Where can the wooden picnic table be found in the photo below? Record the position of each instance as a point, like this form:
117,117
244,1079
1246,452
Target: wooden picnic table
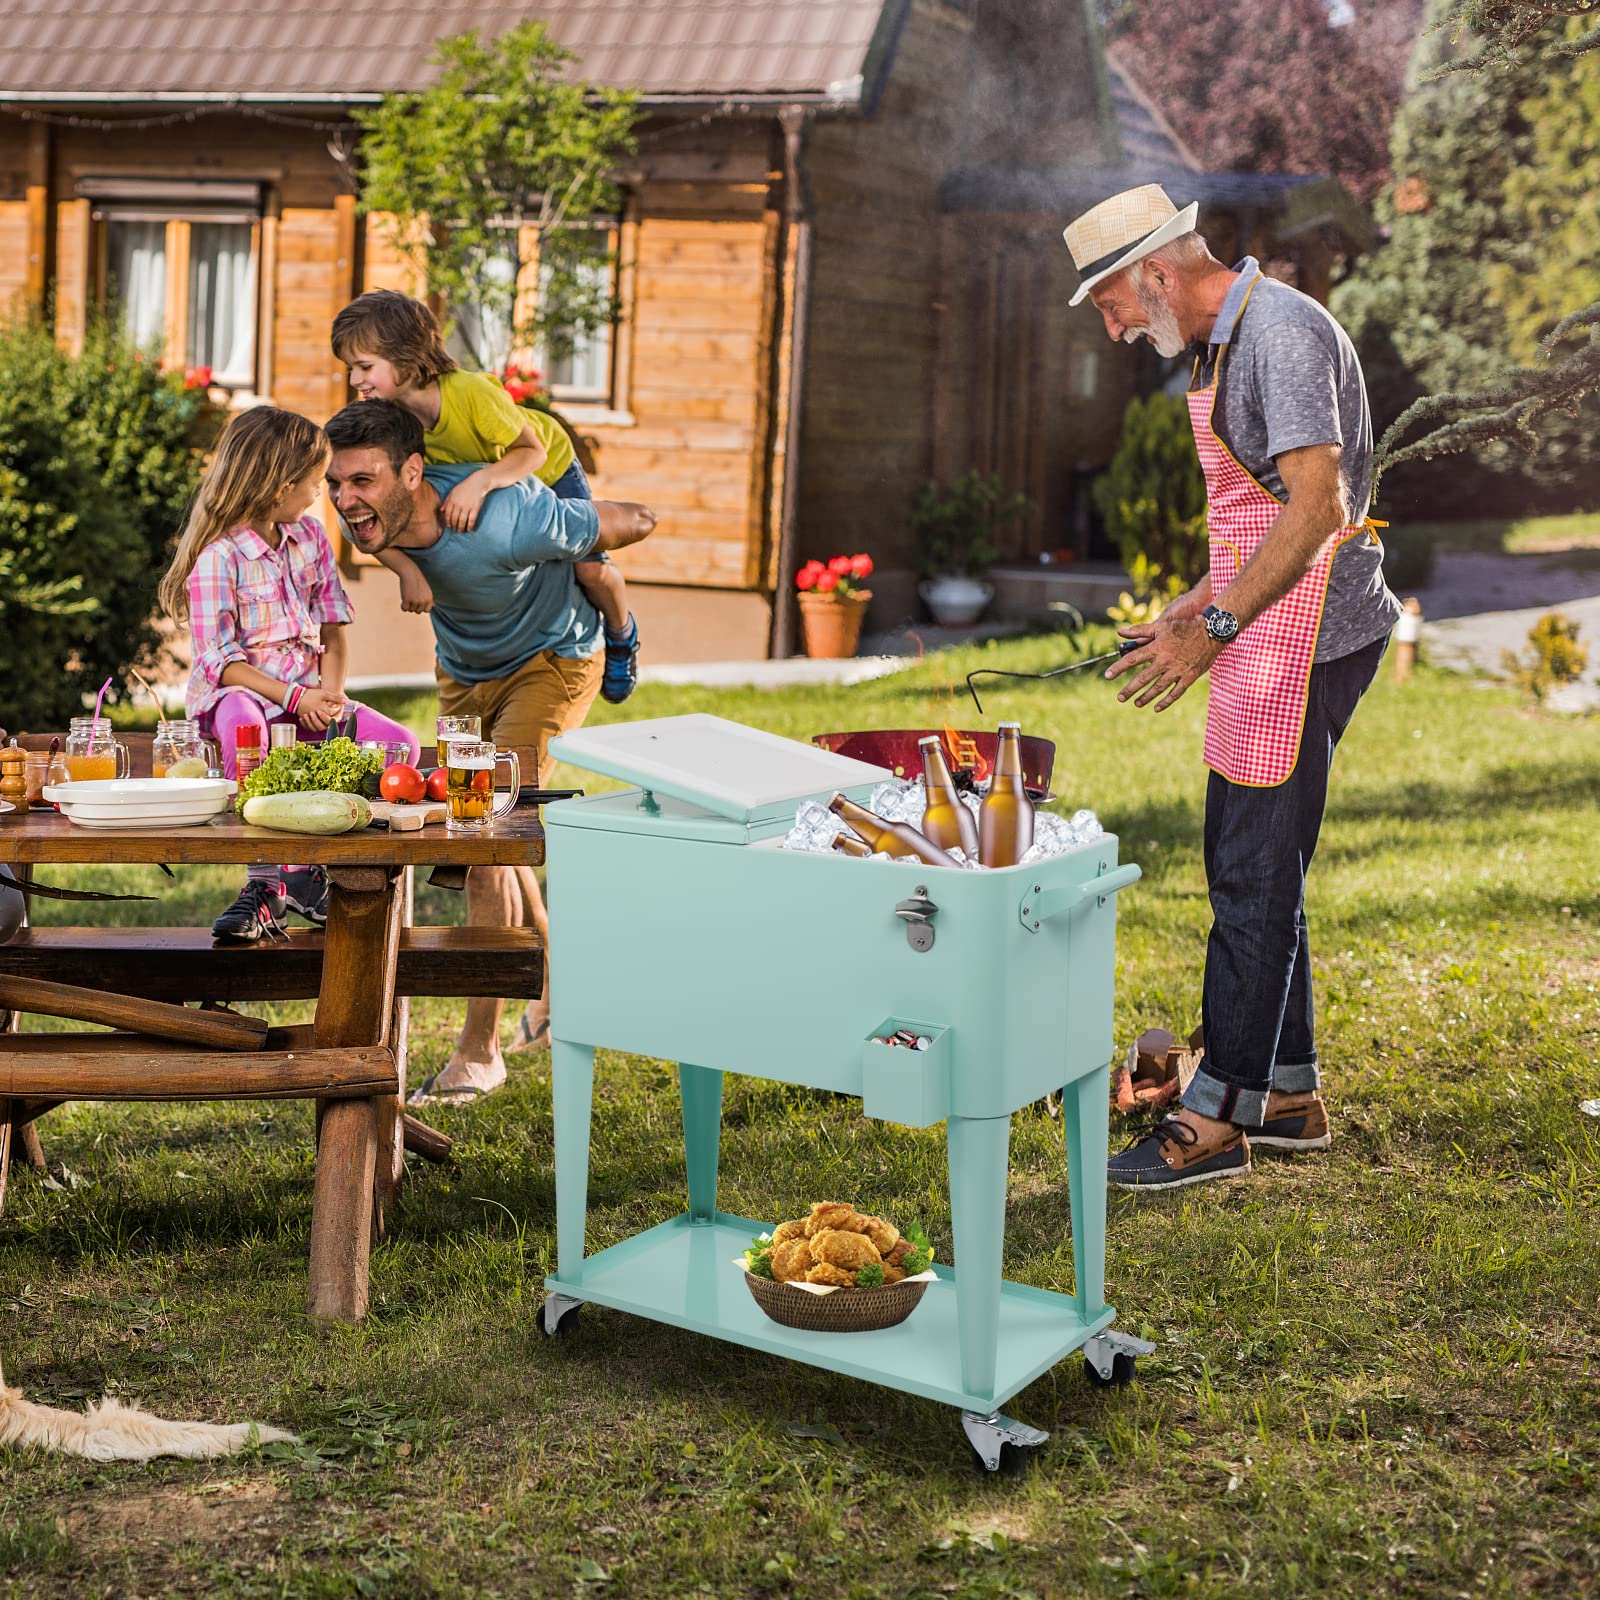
351,1059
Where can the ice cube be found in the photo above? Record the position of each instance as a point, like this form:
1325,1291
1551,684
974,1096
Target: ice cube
899,801
815,828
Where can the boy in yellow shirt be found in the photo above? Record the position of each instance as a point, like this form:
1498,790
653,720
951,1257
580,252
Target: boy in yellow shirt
391,345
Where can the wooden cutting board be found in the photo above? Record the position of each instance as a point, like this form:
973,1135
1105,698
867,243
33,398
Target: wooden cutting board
408,818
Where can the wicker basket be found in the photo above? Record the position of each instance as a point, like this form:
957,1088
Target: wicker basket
844,1311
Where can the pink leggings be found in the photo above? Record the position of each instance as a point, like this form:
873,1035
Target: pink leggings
237,710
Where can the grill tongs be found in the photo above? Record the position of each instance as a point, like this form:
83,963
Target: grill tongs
1123,647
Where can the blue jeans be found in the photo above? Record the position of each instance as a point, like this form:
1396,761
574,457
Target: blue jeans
1257,1011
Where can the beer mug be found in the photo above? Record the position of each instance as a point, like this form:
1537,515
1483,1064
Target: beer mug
470,803
448,728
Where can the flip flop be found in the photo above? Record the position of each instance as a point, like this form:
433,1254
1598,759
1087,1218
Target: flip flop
428,1093
530,1038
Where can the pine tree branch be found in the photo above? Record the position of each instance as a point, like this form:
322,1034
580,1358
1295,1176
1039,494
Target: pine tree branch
1507,410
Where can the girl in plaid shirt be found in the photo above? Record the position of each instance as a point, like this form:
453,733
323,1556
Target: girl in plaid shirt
256,579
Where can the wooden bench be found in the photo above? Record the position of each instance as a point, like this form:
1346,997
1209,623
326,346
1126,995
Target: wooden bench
183,964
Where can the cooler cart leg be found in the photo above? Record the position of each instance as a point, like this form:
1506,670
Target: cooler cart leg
979,1150
1085,1116
701,1091
572,1074
1000,1443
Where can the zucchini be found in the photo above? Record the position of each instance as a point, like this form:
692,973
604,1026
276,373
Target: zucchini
308,811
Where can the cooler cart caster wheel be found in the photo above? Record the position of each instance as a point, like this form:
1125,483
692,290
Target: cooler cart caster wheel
1000,1443
1122,1370
1109,1358
1013,1463
558,1316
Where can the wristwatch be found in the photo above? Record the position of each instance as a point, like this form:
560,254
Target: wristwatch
1220,625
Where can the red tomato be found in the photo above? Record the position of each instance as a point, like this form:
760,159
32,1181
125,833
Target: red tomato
401,782
438,784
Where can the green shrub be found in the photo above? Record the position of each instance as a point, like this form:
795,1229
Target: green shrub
956,525
1153,495
99,454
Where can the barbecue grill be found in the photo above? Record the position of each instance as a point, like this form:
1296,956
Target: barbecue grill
685,930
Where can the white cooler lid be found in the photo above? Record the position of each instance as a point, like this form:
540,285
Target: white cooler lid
733,771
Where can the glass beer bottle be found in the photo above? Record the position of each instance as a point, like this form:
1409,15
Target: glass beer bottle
947,822
848,845
897,838
1005,820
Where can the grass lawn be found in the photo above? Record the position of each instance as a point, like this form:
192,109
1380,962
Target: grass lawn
1378,1370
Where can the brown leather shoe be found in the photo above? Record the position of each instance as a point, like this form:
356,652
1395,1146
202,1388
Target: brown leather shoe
1176,1154
1294,1122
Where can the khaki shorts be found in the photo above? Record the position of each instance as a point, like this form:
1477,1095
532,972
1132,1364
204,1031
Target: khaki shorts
543,697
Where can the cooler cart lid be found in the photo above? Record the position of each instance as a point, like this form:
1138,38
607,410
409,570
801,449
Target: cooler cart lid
723,767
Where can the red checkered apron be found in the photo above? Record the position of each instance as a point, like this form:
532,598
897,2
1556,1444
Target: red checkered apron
1258,682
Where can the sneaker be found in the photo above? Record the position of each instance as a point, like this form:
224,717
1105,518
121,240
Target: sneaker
1294,1122
305,889
257,914
1175,1155
621,676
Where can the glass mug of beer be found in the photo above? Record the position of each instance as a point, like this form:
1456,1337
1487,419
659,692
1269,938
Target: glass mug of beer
470,803
448,728
92,751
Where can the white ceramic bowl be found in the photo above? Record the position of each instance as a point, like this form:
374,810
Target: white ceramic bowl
141,802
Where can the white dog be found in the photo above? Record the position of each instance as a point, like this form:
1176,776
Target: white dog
111,1431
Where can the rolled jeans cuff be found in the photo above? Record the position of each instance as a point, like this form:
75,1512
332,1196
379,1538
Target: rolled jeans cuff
1297,1077
1212,1096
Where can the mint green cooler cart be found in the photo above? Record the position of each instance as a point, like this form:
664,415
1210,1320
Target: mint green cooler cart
684,932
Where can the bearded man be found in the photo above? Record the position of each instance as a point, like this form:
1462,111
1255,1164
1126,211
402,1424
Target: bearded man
1290,623
519,645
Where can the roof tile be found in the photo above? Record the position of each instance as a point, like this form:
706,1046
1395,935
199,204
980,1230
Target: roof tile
318,47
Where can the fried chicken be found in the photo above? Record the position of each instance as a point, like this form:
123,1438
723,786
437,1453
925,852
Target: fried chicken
892,1274
791,1260
842,1249
828,1214
882,1234
897,1252
826,1272
789,1230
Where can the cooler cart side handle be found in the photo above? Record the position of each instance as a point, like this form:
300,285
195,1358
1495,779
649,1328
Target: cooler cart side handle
1038,904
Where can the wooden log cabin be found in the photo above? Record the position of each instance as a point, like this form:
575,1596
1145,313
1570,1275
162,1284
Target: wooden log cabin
838,256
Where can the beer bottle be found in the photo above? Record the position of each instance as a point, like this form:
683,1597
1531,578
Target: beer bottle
946,822
897,838
848,845
1005,820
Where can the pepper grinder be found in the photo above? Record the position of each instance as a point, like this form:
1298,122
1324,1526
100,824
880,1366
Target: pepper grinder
14,776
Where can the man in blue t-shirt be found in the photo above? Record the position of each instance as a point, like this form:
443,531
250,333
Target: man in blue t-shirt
519,646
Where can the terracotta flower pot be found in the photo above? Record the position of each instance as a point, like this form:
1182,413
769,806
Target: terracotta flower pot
832,623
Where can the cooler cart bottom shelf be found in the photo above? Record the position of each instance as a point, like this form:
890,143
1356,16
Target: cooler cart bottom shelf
682,1273
971,1344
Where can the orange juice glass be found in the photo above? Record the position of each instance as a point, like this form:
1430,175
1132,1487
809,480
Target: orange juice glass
92,751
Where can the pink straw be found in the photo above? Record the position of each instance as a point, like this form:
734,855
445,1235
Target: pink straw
99,700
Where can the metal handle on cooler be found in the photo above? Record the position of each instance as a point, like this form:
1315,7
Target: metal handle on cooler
1039,904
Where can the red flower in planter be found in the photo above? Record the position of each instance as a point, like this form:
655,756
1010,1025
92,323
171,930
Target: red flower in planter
197,378
839,575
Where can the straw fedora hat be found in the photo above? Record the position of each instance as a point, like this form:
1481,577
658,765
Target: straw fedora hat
1122,230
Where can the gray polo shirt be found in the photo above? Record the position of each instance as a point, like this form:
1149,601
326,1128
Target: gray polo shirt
1291,379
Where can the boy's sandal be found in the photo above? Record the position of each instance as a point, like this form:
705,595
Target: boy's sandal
431,1093
531,1038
